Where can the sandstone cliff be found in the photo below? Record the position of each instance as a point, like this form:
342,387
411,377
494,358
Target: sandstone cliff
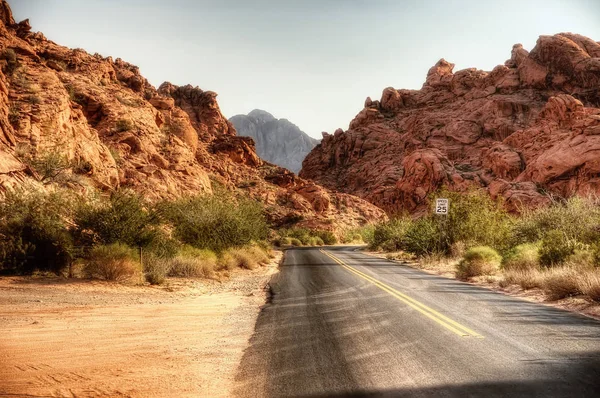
528,129
110,128
278,141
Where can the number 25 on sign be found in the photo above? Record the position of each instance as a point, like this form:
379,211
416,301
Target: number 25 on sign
442,206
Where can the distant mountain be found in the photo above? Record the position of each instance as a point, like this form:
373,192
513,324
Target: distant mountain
278,141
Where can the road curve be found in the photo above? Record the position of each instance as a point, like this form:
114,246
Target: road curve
341,323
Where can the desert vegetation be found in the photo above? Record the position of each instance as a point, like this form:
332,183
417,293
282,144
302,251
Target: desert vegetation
555,248
305,237
123,237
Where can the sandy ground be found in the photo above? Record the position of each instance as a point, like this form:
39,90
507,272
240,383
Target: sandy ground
445,268
61,338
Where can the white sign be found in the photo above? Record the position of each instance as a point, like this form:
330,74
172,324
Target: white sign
442,206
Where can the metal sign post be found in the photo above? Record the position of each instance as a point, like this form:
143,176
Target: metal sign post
442,207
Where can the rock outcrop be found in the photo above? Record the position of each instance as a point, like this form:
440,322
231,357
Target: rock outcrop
528,129
278,141
115,130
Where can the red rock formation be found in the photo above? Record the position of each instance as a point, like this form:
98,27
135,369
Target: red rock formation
529,126
119,131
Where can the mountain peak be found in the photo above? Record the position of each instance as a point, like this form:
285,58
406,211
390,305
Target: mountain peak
278,141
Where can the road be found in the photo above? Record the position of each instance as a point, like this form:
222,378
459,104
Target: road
342,323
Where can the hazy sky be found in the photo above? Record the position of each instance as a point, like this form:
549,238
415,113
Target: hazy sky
310,61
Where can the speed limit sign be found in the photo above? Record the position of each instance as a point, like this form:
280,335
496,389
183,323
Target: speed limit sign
442,206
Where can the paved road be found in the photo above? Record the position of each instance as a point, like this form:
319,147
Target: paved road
341,323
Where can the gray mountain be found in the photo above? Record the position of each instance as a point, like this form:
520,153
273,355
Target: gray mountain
278,141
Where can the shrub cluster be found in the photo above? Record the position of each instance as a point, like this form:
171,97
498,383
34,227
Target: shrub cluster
48,231
305,237
554,248
474,220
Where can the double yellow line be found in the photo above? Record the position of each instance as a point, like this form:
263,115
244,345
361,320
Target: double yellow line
430,313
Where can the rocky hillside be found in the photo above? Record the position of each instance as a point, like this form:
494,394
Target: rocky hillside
528,129
86,122
278,141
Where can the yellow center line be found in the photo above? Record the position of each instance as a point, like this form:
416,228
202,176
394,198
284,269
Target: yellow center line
432,314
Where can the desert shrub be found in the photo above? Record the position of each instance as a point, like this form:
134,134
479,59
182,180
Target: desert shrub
522,257
114,262
390,235
215,222
49,165
457,249
156,269
556,247
422,237
527,278
475,219
295,242
589,284
226,261
243,258
258,254
123,218
162,245
283,241
327,237
123,125
577,218
582,259
301,234
34,234
480,260
12,62
193,262
560,282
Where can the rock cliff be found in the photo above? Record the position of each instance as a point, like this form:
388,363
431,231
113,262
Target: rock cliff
278,141
103,126
528,129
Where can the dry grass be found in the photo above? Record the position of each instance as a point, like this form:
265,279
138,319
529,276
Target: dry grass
114,262
226,261
191,262
589,284
526,278
560,282
244,259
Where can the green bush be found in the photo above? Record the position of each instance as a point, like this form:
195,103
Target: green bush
327,237
480,260
295,242
422,237
215,222
522,257
556,248
390,235
122,218
577,218
34,234
114,262
475,219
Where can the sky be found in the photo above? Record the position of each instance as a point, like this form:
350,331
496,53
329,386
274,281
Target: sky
312,62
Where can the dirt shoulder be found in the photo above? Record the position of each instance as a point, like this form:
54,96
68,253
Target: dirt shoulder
445,268
64,338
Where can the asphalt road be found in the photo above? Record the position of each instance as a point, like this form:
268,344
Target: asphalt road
341,323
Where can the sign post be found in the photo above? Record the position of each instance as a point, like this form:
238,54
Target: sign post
442,207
